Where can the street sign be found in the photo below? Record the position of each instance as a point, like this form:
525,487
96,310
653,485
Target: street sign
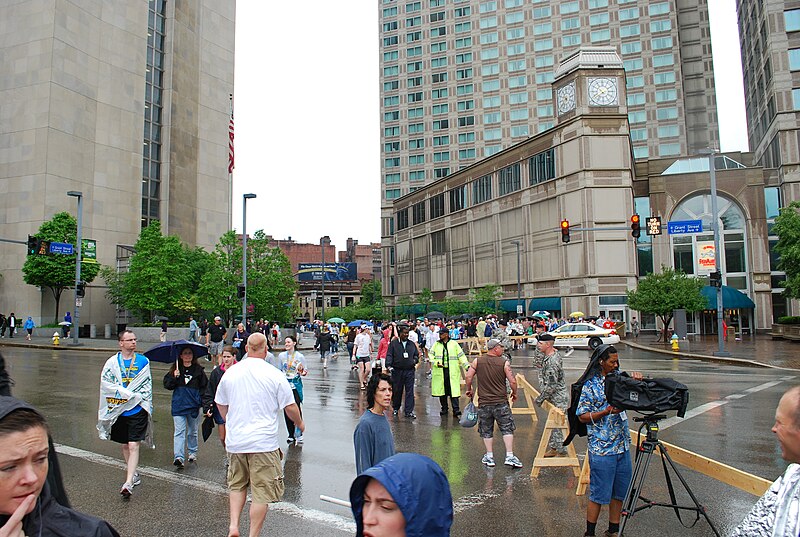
89,250
654,225
78,302
64,248
681,227
519,309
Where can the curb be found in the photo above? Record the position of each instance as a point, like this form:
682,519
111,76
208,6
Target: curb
720,359
65,347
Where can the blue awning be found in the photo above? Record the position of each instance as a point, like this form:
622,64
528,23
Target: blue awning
511,304
732,299
551,304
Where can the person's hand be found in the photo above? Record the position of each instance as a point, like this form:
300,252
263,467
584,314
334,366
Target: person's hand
13,528
514,397
468,393
613,409
208,413
177,373
636,375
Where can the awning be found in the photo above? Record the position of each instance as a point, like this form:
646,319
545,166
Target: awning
732,299
551,304
511,304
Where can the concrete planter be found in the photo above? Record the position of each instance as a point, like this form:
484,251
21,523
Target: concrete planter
778,329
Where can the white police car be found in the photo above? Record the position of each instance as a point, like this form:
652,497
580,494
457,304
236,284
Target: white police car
584,335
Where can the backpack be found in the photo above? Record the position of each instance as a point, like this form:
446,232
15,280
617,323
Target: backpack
487,332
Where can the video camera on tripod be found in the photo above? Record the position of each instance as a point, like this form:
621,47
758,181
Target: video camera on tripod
647,395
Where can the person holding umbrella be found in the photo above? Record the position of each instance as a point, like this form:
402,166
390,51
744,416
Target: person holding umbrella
188,381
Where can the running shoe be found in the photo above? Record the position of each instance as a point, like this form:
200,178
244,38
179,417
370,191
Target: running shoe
290,440
136,480
178,462
488,460
192,457
299,440
513,461
127,490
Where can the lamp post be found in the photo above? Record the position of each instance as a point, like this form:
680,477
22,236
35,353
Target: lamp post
518,244
76,325
322,242
245,197
712,172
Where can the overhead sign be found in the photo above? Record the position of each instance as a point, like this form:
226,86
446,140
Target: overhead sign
89,250
706,257
681,227
653,225
63,248
334,272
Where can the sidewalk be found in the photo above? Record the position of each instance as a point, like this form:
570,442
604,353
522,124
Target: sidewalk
761,350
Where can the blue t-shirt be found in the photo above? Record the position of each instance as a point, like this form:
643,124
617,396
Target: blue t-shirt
129,369
609,435
373,441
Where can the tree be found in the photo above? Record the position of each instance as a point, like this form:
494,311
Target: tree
425,298
404,306
270,282
451,306
217,290
56,272
371,291
787,228
661,294
484,300
157,276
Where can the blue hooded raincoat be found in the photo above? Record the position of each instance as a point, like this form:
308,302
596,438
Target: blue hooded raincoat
418,486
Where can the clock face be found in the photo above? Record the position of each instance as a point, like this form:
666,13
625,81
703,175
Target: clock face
565,96
603,92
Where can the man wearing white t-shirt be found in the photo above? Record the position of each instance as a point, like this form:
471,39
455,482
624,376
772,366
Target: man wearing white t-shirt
251,398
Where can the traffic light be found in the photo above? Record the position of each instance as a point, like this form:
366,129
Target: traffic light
565,230
33,245
240,290
715,279
80,290
636,229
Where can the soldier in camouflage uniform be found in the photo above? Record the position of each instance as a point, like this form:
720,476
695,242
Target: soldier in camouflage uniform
553,388
501,334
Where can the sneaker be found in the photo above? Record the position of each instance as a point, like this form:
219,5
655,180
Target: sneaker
488,460
126,491
411,416
610,534
193,457
290,440
299,440
513,461
443,412
136,480
456,413
178,462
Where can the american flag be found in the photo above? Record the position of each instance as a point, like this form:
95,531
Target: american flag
230,145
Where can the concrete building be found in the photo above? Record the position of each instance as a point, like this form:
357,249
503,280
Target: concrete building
459,232
461,81
126,102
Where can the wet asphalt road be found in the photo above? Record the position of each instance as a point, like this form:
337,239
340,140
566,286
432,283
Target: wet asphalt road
192,502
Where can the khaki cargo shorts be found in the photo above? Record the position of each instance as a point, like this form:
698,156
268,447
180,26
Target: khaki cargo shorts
261,471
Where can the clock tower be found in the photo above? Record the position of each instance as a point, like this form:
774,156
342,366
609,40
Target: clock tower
590,81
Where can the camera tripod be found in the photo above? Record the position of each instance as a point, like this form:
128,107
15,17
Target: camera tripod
644,453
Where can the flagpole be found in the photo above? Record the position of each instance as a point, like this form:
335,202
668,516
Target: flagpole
230,166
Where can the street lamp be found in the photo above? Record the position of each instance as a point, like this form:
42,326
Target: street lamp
322,242
712,172
79,195
519,272
245,197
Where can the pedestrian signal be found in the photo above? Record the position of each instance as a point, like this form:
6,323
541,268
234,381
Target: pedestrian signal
715,279
32,245
653,225
636,229
80,290
565,231
42,247
240,290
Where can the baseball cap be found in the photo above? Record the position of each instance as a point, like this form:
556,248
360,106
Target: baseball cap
492,343
217,318
546,337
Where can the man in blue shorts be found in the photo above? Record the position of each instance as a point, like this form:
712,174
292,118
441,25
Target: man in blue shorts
609,442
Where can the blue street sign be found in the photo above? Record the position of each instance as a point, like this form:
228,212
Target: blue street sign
61,248
680,227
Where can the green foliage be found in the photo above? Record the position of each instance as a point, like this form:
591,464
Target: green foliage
57,272
484,300
425,298
404,307
217,290
787,228
789,320
452,306
661,294
371,305
270,282
371,291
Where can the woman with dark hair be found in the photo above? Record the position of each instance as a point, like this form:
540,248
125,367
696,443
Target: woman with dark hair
210,407
373,438
187,380
27,506
293,365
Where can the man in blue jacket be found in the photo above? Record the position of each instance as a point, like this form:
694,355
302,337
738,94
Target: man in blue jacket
401,359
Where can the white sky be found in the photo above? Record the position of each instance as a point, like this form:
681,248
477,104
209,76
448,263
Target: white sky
307,124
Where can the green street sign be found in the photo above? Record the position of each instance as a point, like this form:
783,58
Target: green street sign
89,250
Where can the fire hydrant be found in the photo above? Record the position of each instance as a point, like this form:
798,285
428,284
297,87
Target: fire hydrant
674,340
55,338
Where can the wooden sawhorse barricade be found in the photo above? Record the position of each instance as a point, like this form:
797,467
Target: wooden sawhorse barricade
556,419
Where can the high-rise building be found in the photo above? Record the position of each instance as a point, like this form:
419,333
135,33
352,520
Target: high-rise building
126,102
462,80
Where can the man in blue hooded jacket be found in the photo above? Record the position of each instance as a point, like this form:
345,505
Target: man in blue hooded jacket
405,495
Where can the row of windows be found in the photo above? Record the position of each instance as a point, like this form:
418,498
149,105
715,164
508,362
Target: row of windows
541,167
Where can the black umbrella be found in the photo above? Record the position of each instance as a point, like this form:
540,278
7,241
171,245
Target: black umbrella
169,351
434,315
207,426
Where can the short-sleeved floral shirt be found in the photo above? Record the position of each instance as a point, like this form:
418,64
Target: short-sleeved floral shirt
609,435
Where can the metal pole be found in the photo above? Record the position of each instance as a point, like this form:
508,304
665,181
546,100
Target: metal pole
322,244
78,259
519,281
245,197
712,172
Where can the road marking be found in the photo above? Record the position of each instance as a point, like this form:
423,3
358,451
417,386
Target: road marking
764,386
312,515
